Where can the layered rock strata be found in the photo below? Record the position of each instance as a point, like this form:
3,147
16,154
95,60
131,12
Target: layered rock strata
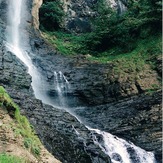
94,84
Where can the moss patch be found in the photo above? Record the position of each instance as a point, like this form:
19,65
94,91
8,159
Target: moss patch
22,126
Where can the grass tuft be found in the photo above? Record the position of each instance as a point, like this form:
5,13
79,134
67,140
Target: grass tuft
5,158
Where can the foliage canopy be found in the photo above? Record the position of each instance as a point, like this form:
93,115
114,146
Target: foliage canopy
110,30
142,19
51,15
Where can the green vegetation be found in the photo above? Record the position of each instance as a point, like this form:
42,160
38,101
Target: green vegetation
145,52
111,32
23,126
5,158
66,43
51,15
32,146
142,19
130,40
153,88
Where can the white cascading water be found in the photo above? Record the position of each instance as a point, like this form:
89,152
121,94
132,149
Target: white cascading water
118,149
13,42
13,45
62,87
15,21
121,6
112,145
112,3
118,5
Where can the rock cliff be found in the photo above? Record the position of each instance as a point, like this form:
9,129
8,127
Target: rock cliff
131,108
61,139
35,12
13,142
128,112
78,13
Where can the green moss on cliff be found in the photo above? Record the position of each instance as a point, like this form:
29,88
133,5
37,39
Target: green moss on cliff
22,126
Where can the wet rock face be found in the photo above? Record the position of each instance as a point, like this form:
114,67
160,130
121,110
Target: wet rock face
93,83
56,128
130,113
78,14
3,9
12,71
137,119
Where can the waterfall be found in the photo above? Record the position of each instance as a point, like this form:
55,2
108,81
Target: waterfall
121,151
118,5
62,87
13,40
13,44
118,149
15,21
121,7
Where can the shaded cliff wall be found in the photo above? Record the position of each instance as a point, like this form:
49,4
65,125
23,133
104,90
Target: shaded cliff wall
35,12
78,13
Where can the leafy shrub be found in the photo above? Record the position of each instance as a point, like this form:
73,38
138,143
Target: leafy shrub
32,146
51,15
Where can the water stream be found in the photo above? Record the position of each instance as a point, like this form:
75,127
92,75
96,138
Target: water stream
119,150
121,7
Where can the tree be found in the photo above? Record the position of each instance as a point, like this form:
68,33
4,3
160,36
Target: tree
51,15
142,18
